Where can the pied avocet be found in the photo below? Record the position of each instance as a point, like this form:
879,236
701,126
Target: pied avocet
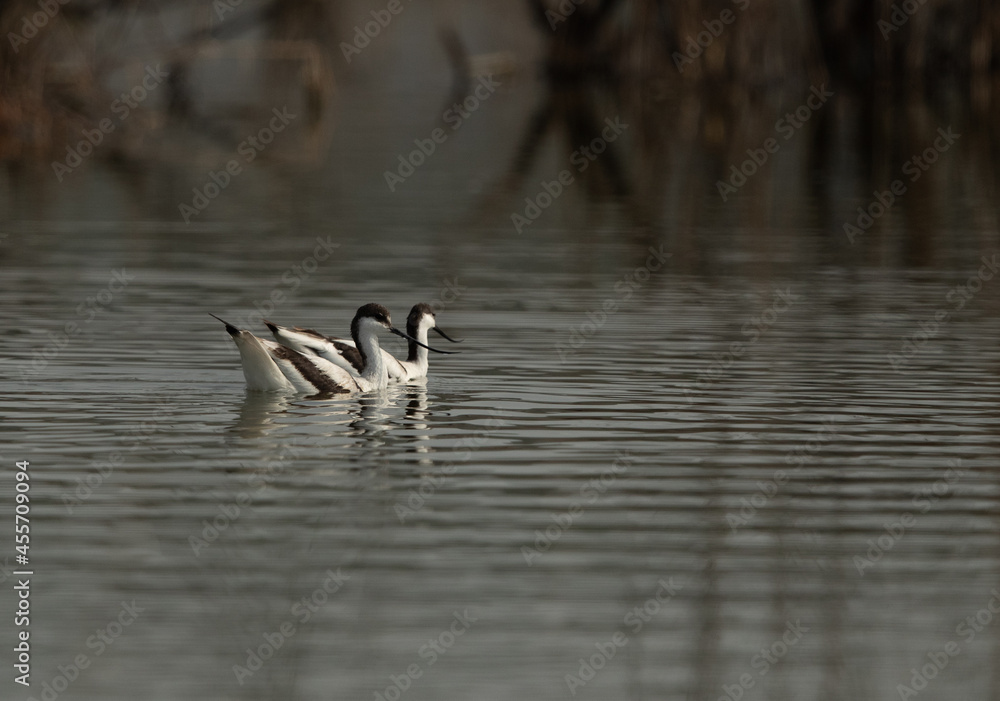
344,353
270,366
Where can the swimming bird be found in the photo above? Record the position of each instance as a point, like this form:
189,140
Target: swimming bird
344,353
270,366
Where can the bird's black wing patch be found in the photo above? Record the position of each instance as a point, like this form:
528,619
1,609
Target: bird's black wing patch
350,354
312,374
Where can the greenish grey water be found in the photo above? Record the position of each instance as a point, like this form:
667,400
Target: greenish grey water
506,439
807,421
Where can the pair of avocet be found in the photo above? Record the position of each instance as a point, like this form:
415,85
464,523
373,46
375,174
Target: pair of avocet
304,360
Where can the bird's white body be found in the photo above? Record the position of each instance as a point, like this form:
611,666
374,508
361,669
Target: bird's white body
344,353
270,366
341,352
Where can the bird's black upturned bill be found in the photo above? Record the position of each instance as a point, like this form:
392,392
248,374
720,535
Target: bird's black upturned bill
446,336
411,338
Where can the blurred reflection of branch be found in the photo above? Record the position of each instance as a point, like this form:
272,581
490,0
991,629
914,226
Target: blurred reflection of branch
576,69
458,59
61,81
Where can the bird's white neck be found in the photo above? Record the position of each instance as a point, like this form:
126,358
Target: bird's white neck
367,341
418,354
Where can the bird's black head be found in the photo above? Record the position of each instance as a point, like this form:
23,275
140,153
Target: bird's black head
419,312
373,312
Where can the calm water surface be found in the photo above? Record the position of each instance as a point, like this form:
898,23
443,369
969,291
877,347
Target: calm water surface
664,481
541,500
